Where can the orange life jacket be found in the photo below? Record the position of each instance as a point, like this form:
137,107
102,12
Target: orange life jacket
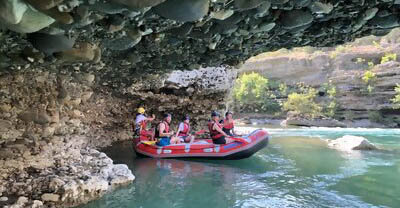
214,133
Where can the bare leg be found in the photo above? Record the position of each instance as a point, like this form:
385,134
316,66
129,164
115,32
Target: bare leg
175,140
228,140
191,139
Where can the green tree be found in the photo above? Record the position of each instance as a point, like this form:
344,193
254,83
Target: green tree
303,104
250,87
252,93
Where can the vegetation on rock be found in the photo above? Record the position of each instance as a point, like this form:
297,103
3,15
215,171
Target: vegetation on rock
252,93
369,78
396,99
303,103
388,57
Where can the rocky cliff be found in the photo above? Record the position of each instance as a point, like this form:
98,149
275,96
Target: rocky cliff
51,122
343,69
72,72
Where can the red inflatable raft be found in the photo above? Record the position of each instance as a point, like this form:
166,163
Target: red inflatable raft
243,147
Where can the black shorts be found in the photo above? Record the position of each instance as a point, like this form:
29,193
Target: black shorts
227,131
220,140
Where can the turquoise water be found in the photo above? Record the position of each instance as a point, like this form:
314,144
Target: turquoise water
297,169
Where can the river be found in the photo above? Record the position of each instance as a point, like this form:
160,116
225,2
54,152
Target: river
297,169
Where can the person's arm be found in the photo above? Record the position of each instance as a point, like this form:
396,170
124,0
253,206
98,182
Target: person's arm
233,128
152,118
216,127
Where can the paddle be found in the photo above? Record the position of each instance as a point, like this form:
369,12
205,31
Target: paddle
237,139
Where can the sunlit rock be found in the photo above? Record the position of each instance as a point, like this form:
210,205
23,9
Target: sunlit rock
32,21
12,11
348,143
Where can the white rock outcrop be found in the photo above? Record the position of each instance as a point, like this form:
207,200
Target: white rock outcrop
211,78
349,143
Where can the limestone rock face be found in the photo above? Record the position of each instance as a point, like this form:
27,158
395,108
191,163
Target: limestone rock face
348,143
342,70
195,92
120,174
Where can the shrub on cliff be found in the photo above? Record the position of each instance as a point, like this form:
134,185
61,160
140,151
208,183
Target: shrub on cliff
369,79
332,106
396,99
388,57
252,93
303,104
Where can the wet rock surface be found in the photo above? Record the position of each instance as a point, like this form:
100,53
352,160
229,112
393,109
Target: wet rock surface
199,32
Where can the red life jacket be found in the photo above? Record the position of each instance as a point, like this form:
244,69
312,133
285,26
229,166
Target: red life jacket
143,124
166,130
185,131
214,133
228,125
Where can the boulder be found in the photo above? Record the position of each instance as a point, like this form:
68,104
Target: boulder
296,18
120,174
83,53
139,4
37,204
183,10
44,4
51,197
247,4
32,21
12,11
349,142
50,44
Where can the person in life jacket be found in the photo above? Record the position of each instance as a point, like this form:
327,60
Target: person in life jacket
164,134
184,131
228,124
217,135
141,124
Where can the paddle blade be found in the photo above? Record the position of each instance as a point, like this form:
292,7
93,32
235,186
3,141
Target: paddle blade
149,142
